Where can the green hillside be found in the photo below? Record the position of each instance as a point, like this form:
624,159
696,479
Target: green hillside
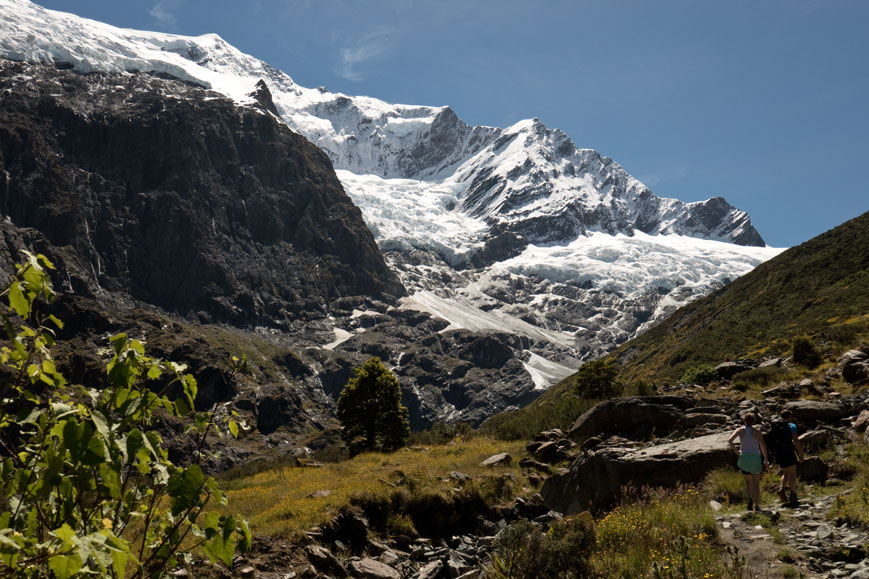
819,289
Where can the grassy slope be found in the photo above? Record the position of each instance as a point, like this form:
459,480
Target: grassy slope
820,288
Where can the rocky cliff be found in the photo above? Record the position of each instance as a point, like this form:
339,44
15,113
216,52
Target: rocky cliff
173,195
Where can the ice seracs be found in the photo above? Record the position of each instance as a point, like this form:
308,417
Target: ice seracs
511,229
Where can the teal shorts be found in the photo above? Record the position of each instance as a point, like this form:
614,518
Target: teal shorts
750,463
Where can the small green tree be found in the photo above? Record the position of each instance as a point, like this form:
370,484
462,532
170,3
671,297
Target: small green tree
598,379
805,352
86,487
370,410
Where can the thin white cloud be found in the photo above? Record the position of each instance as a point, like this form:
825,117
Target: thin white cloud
671,176
360,51
164,12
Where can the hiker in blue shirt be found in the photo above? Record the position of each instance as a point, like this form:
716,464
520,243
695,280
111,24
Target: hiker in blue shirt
788,452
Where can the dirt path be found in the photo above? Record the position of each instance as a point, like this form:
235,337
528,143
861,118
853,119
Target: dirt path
796,541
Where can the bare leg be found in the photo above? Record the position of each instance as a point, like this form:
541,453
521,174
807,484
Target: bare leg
789,479
749,489
755,485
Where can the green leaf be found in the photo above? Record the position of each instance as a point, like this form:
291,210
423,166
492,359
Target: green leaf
154,372
233,428
215,490
185,489
245,540
55,321
212,524
190,389
67,535
100,422
65,566
111,479
181,407
119,560
17,300
119,341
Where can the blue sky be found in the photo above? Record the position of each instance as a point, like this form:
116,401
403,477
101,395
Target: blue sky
763,103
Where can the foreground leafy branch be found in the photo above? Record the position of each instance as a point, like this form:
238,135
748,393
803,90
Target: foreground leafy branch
86,487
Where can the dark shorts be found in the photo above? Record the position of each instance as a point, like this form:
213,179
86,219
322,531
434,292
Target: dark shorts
785,457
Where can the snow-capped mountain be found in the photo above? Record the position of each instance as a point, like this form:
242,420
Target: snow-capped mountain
514,229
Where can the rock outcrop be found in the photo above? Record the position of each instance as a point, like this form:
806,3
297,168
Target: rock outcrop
176,197
595,480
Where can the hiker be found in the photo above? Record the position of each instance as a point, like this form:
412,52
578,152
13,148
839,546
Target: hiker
753,458
787,452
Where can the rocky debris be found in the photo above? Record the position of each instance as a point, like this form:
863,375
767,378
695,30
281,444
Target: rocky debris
819,547
596,478
622,445
325,561
373,569
783,390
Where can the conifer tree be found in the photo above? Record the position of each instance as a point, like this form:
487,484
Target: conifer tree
371,412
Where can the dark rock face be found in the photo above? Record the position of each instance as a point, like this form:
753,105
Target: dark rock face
178,198
596,478
635,417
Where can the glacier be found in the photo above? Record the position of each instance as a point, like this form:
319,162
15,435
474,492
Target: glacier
504,229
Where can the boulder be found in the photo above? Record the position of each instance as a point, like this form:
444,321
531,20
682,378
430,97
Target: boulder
816,439
770,363
325,561
812,469
532,464
854,366
430,570
812,412
634,417
728,370
595,479
701,418
496,459
553,435
783,390
373,569
862,422
550,452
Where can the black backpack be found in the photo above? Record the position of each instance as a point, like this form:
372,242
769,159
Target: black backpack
779,435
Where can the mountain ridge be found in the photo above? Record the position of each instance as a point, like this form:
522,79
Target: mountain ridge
553,251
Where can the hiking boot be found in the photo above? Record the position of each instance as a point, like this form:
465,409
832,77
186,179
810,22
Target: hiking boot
793,498
782,495
750,505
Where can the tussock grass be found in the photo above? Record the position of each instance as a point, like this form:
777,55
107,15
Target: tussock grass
853,505
659,533
279,501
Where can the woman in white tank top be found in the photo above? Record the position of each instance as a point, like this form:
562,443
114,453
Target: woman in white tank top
753,459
